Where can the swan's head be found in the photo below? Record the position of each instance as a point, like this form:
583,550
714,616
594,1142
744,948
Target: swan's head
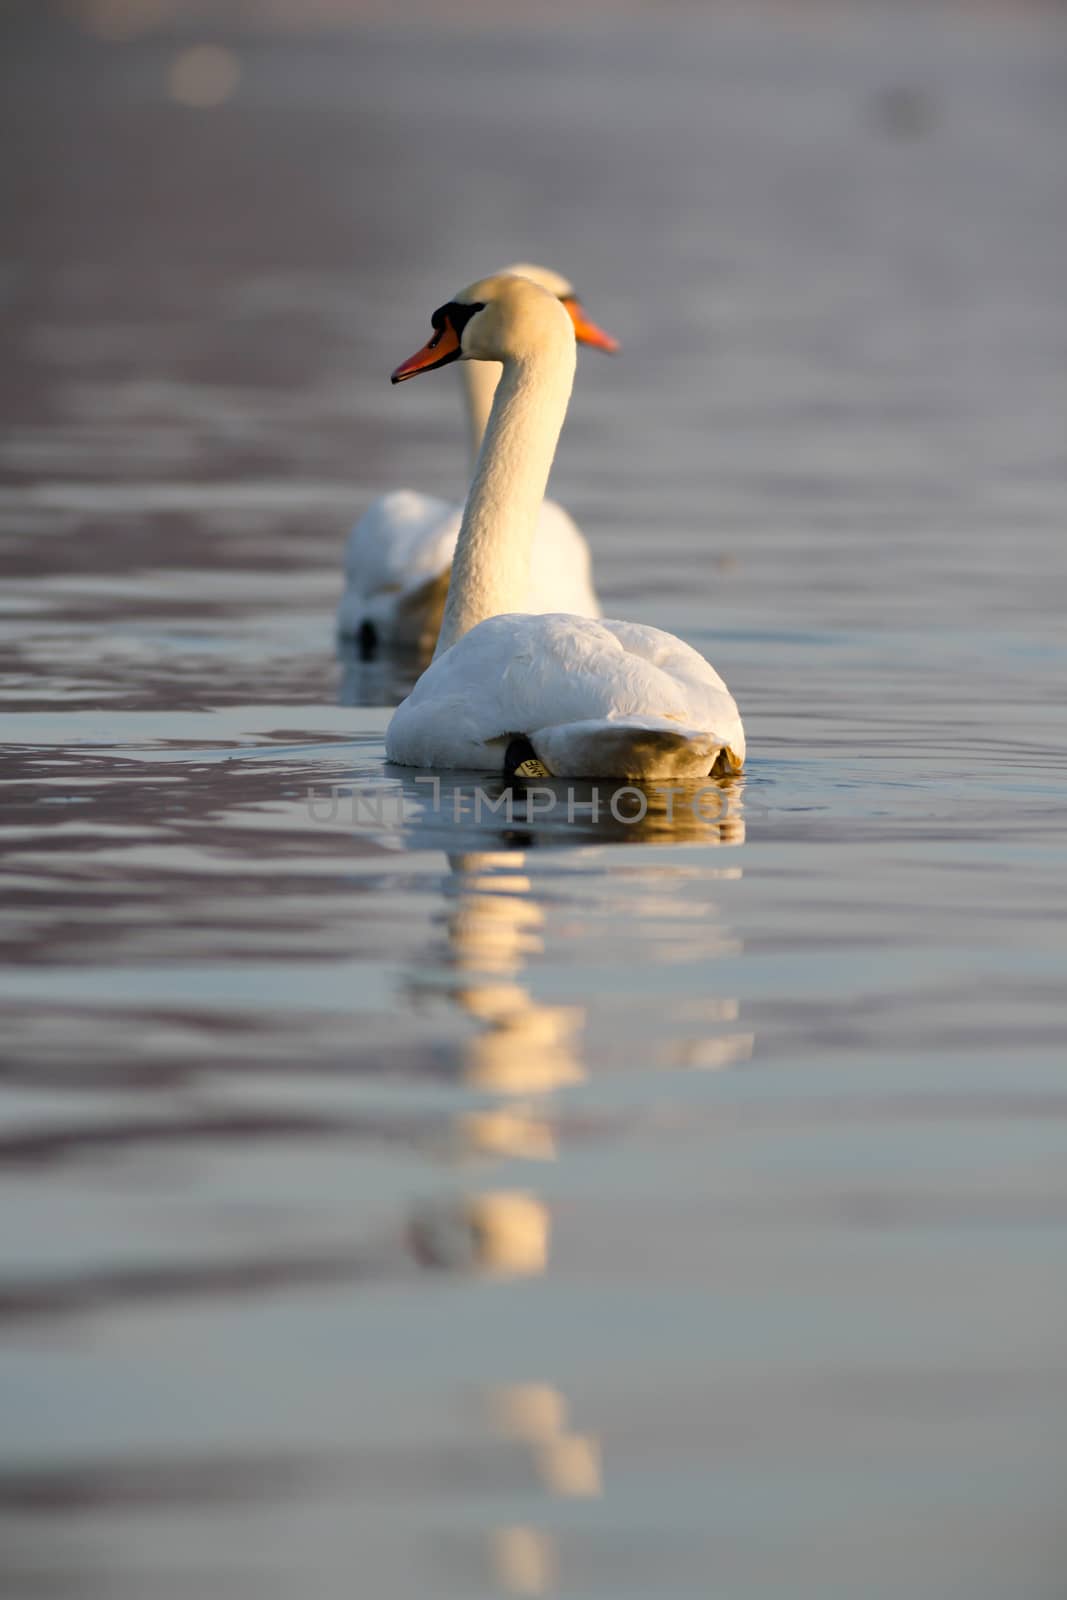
585,329
506,317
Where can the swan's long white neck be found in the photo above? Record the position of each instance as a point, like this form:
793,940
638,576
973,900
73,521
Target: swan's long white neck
491,566
479,379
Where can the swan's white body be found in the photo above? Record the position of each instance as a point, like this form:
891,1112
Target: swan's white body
594,699
399,554
591,698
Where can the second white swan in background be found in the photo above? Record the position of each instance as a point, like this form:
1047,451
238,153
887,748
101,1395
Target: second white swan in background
399,554
565,694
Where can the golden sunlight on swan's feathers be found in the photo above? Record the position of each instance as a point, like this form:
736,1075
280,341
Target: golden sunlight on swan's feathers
594,698
399,553
509,690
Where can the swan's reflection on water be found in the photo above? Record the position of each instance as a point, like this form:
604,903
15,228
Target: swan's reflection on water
499,1234
376,679
524,1560
457,811
493,926
520,1054
524,1056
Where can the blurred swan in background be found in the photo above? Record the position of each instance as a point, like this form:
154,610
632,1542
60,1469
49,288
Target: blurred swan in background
399,554
565,695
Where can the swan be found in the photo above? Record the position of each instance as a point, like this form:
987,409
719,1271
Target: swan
563,695
400,551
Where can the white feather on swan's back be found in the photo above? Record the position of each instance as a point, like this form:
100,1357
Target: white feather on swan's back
540,676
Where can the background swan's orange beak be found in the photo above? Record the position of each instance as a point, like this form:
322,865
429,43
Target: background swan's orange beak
443,347
586,330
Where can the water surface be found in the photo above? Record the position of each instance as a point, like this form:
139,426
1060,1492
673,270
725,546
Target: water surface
400,1198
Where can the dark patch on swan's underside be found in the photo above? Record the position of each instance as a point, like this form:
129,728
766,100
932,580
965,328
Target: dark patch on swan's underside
367,641
724,765
522,761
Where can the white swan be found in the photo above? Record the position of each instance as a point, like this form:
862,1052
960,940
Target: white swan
400,552
579,697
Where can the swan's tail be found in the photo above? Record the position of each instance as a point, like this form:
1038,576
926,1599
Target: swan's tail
642,747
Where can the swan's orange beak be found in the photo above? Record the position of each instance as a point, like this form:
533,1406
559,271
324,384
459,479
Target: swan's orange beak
586,330
442,348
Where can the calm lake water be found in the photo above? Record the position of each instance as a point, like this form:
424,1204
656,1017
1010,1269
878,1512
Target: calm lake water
398,1201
